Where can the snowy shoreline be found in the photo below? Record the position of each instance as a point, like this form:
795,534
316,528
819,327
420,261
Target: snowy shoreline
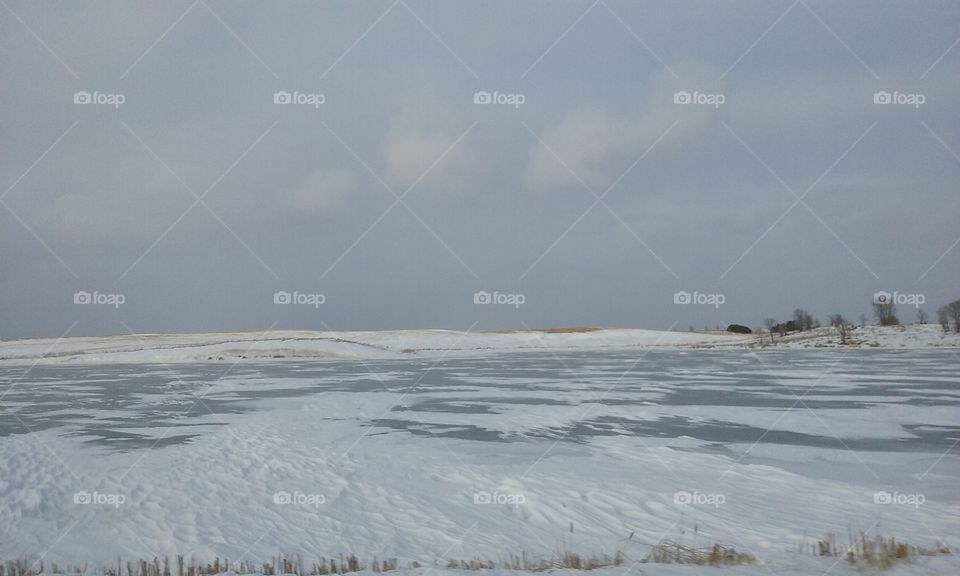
305,344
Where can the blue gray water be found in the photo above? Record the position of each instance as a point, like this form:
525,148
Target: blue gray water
132,407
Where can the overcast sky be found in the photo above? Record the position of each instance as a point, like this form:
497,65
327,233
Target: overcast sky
591,190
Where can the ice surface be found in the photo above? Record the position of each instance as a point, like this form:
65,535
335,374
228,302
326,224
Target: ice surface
576,447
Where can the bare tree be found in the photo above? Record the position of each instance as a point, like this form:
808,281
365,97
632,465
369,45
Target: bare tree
886,313
803,319
842,325
943,317
863,319
769,323
922,316
953,311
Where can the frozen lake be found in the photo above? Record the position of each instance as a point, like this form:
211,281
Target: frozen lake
512,398
394,457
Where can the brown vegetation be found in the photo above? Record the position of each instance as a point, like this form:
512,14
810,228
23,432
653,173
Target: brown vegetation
672,552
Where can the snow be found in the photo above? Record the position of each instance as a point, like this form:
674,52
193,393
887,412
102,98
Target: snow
311,344
387,453
275,344
909,337
387,497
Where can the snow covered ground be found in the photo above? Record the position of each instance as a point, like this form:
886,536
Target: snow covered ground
312,344
592,447
275,344
912,336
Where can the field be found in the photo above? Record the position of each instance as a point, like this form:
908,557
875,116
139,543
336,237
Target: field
539,454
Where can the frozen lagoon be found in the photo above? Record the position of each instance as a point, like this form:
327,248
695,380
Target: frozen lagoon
435,458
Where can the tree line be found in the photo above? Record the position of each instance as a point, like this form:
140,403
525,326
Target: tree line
885,313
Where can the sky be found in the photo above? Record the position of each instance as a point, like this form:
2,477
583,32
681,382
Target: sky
210,165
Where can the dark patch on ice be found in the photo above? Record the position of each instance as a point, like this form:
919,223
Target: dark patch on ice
722,432
446,406
474,405
459,431
127,441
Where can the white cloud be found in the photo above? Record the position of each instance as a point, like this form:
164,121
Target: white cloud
411,151
424,130
597,145
322,192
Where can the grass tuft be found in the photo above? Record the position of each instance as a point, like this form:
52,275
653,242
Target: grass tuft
874,552
672,552
297,567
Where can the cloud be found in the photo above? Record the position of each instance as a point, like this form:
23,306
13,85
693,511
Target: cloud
422,142
595,144
411,151
323,192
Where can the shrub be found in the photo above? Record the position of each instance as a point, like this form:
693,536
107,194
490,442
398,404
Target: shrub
784,327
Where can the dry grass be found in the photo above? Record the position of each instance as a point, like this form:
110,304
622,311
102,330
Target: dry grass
321,567
875,552
672,552
567,329
297,566
864,552
569,560
554,330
